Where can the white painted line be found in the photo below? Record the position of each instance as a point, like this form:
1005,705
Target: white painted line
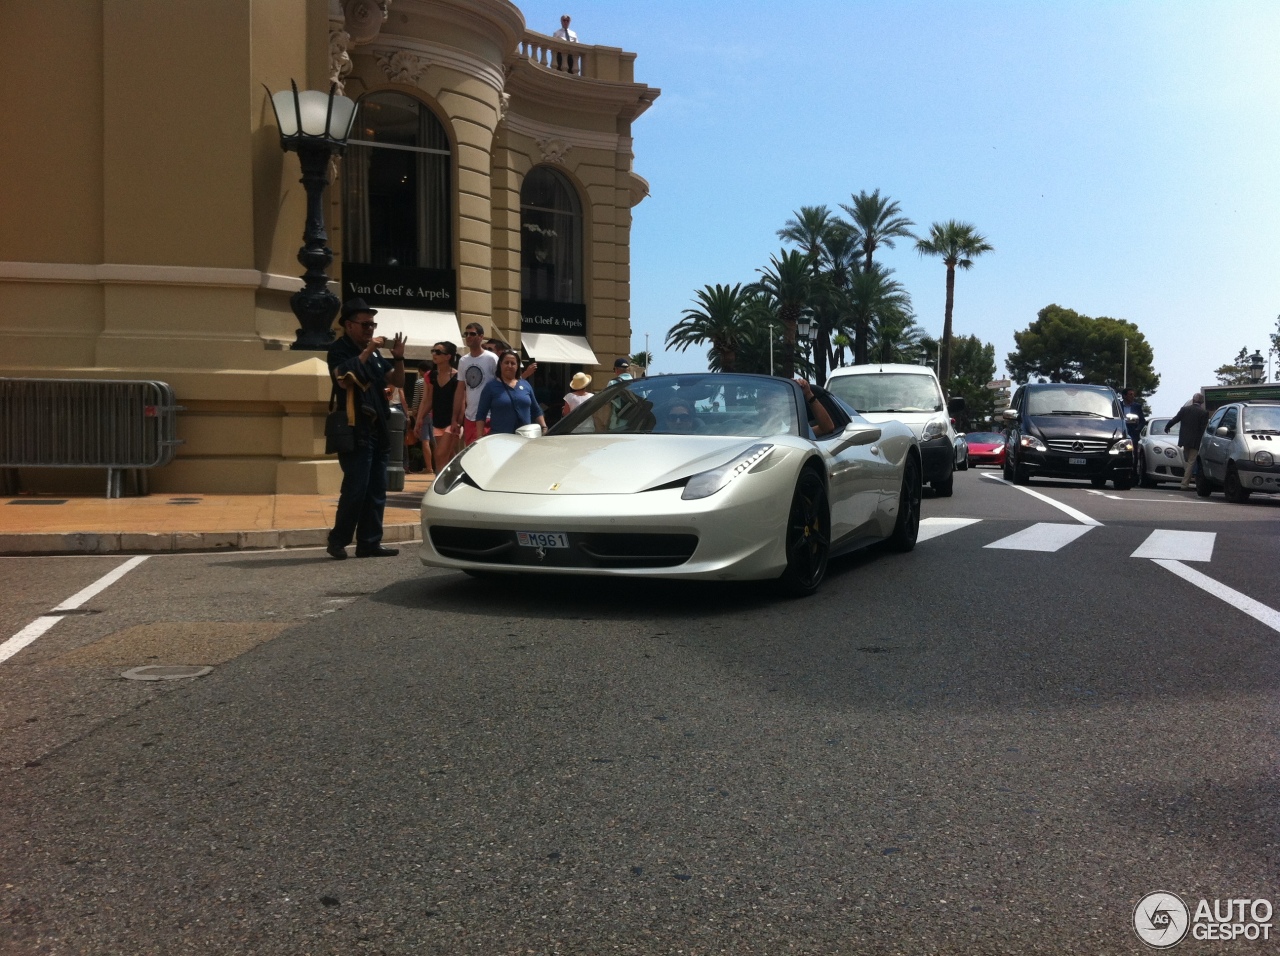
1240,602
41,624
1041,537
26,636
1177,546
1065,509
937,527
1103,494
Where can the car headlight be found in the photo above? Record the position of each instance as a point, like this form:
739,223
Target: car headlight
1122,446
1264,458
933,429
1032,442
708,483
1170,452
452,474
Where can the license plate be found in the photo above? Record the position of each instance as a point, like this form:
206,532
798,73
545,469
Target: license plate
1077,461
542,539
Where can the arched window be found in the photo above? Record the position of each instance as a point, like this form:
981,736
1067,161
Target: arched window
398,204
551,238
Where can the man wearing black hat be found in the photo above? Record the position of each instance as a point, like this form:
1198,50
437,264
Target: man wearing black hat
355,363
622,371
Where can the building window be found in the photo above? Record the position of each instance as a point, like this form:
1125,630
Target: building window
398,199
551,238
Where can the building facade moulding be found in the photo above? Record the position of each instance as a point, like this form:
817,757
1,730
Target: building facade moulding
408,54
128,274
549,88
581,138
401,66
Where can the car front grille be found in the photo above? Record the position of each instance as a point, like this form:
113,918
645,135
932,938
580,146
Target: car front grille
586,549
1078,446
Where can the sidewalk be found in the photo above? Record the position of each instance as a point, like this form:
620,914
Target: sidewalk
44,524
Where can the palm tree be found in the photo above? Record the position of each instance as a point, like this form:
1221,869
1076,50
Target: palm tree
720,321
880,308
957,244
830,243
808,229
877,220
642,360
789,279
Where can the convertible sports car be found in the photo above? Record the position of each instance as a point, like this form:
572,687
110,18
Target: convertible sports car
708,476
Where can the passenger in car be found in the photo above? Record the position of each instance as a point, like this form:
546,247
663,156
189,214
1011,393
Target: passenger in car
819,418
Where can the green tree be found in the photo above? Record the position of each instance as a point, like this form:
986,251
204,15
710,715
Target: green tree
973,366
957,244
789,280
1235,372
642,359
720,321
1062,345
876,221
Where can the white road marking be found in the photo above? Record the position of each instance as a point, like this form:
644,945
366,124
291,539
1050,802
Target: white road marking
1177,546
1103,494
1042,537
1065,509
40,625
936,527
1241,602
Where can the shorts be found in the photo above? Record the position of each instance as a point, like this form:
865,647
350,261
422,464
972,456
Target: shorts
440,432
472,431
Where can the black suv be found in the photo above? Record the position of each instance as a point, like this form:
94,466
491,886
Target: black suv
1060,430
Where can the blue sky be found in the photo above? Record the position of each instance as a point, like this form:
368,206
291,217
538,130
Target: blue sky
1121,157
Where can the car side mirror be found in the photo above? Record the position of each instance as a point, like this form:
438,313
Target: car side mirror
1009,415
1223,431
529,431
1131,417
856,433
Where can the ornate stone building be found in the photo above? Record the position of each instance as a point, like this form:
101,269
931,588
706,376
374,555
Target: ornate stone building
150,223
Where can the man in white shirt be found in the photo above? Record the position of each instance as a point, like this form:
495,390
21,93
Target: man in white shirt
567,62
564,33
476,369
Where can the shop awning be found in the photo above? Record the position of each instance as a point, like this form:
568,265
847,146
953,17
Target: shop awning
569,349
423,329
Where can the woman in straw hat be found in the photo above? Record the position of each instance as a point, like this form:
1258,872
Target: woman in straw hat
579,393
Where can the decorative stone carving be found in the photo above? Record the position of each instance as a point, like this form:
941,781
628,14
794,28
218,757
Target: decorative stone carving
553,150
364,18
339,58
402,66
504,104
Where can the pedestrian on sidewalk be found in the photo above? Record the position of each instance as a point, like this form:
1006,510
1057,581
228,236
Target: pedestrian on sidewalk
356,363
476,369
438,399
578,392
509,400
1191,420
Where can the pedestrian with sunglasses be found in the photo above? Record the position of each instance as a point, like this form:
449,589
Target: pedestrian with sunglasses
355,362
438,397
508,401
476,369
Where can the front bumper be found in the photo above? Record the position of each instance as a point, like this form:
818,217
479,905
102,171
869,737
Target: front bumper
1084,466
1255,477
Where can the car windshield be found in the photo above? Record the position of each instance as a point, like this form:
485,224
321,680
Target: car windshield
887,392
706,404
1077,402
1156,427
1262,419
984,438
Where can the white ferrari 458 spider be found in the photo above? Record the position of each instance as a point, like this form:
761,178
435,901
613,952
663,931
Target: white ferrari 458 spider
708,476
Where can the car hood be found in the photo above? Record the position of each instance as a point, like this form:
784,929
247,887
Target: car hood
594,464
1067,426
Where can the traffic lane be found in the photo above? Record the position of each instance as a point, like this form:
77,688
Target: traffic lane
34,585
196,609
475,768
975,496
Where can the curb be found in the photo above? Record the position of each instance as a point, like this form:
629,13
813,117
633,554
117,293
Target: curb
174,542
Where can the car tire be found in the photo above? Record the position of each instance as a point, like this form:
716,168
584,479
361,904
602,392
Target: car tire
1007,469
1143,478
907,527
1122,484
1234,492
964,464
1098,482
945,488
1203,487
808,537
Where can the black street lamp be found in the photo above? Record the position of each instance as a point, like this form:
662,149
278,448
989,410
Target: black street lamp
1257,365
315,126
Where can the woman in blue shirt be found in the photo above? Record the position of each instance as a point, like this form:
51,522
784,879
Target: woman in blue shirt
509,400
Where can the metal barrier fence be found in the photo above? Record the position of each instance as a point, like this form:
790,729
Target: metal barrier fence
122,426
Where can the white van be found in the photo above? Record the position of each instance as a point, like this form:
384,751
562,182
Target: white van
910,394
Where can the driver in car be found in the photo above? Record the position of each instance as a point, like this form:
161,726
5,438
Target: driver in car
819,418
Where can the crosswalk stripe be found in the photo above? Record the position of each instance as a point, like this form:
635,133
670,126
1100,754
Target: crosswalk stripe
936,527
1255,609
1177,546
1043,536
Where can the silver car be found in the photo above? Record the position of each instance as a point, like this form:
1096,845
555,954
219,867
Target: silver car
1159,457
1240,451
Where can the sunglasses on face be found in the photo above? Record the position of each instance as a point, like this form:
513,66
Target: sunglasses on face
439,352
471,333
367,325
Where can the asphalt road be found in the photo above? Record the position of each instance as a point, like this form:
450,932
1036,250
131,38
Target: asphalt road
965,749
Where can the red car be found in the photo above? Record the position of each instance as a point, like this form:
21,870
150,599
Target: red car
986,448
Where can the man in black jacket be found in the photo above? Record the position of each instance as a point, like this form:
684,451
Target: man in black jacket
355,363
1190,420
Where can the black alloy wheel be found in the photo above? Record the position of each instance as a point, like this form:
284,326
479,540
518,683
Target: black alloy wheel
1235,492
907,528
808,544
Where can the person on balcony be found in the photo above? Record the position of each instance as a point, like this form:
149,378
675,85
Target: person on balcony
566,62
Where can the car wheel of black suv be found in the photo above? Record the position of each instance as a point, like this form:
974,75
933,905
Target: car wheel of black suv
1098,482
